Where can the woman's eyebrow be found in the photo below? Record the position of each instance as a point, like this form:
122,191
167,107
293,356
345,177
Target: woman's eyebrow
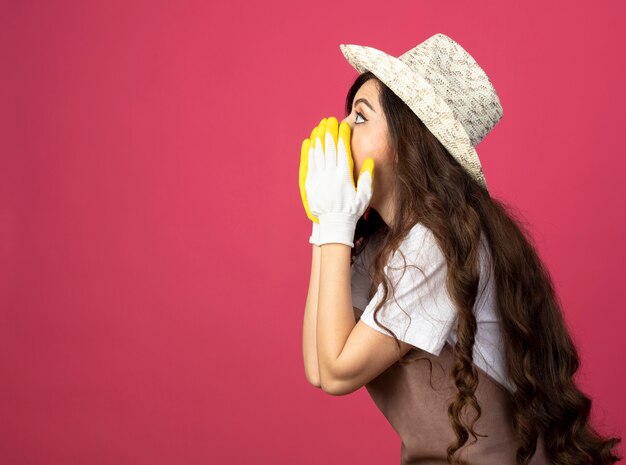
365,102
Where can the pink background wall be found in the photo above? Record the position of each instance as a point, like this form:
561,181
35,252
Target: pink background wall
154,251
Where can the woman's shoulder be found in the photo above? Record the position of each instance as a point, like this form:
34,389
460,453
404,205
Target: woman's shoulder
418,247
422,235
420,238
419,244
420,231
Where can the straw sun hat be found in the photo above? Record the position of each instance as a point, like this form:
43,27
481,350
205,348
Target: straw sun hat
445,87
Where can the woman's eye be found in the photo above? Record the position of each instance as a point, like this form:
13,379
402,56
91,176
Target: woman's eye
359,115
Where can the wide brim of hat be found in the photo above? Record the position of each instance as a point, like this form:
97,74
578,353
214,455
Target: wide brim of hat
420,96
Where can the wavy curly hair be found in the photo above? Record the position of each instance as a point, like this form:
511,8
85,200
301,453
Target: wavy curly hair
432,188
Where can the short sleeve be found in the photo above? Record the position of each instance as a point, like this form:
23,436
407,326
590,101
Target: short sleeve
422,313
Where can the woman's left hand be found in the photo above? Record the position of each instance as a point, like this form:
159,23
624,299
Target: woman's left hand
330,189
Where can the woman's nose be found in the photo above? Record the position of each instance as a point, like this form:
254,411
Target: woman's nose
346,120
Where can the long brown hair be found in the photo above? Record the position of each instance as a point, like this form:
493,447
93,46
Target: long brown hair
433,189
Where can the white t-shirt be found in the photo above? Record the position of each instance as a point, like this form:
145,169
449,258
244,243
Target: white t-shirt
429,317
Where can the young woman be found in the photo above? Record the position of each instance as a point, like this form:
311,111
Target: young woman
423,288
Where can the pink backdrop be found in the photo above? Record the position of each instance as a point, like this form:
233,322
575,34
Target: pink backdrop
154,251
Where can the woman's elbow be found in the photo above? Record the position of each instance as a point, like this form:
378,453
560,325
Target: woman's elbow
338,388
329,388
313,380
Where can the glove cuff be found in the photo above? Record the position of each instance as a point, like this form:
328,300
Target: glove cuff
337,228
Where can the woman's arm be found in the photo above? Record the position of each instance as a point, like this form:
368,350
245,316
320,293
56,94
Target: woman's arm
309,337
335,323
309,333
335,319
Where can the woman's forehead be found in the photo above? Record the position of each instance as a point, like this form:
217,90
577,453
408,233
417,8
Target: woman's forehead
369,90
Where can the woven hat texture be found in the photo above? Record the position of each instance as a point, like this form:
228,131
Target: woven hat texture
445,87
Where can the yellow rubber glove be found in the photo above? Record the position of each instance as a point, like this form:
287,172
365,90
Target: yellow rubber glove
330,189
304,166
